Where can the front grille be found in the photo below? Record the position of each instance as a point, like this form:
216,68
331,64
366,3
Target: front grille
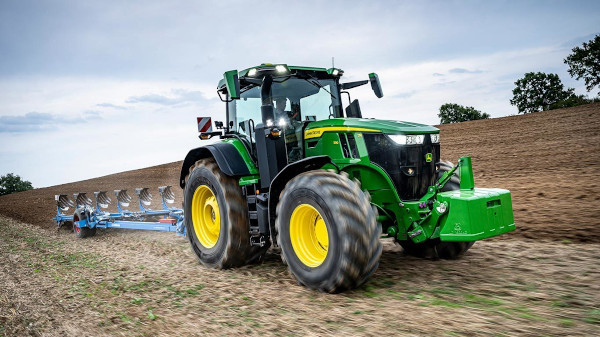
399,160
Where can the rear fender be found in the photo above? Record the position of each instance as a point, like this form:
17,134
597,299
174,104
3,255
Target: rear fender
226,154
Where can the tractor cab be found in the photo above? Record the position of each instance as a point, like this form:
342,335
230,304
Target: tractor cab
292,97
297,97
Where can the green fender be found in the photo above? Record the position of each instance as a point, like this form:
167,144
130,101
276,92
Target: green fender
230,154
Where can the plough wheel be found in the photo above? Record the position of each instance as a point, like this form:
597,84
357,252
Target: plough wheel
327,231
436,249
217,218
82,232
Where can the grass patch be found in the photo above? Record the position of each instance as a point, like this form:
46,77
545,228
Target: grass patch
125,318
480,300
76,260
369,291
593,317
443,291
138,286
192,291
530,316
151,315
177,292
384,282
247,299
417,296
441,302
137,300
566,323
560,304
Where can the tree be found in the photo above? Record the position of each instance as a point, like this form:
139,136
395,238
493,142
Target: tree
11,183
584,62
538,91
573,100
454,113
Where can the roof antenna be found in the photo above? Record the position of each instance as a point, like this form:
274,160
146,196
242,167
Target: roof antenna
332,62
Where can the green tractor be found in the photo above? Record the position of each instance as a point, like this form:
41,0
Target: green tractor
294,169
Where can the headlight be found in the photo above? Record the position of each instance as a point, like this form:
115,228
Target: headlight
280,68
252,72
407,139
442,207
435,138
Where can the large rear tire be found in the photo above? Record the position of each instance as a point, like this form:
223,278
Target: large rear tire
217,218
327,231
436,249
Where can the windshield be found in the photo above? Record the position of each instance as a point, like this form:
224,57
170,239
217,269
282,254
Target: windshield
295,101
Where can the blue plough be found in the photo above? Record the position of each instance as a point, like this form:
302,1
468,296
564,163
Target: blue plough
86,216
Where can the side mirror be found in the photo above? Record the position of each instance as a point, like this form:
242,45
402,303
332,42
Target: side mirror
375,85
350,85
232,82
353,110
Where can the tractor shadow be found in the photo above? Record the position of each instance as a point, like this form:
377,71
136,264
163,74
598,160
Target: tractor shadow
403,276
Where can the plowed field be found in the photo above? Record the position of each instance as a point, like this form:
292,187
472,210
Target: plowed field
542,279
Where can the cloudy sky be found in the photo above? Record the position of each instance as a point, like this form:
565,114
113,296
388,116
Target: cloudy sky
89,88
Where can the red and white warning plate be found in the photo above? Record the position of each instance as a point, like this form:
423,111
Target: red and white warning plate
204,124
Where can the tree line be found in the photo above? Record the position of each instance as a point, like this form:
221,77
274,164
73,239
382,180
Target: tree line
12,183
538,91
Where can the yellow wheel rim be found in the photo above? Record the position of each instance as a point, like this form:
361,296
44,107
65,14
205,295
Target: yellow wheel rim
308,233
206,216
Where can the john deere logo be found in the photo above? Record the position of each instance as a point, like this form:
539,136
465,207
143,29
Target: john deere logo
428,157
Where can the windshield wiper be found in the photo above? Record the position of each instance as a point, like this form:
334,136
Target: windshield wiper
318,85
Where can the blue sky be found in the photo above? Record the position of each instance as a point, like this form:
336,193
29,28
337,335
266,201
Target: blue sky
89,88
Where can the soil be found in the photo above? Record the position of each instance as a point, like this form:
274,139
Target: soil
541,279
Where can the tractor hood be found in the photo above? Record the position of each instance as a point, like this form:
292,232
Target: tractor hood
367,125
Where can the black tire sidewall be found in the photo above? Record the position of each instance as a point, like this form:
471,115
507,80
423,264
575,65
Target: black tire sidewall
84,232
199,177
322,273
77,216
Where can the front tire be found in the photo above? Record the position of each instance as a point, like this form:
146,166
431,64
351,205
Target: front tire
217,218
327,231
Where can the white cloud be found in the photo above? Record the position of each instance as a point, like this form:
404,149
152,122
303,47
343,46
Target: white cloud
36,121
69,141
175,97
110,105
413,94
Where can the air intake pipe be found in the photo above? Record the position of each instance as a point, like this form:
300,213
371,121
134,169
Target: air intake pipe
266,108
